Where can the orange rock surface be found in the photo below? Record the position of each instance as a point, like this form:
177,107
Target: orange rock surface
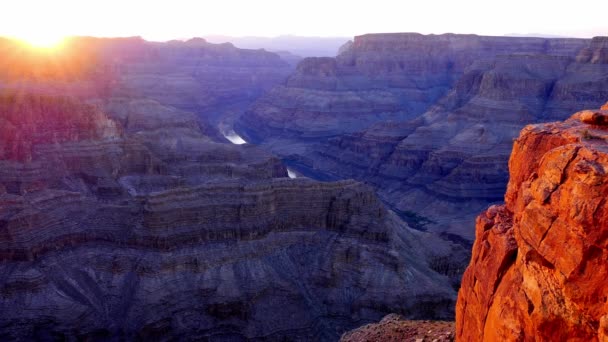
539,267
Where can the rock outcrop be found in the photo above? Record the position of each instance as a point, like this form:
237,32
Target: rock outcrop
428,120
597,52
394,328
540,260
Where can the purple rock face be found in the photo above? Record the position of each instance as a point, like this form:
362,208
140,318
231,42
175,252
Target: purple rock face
125,215
427,120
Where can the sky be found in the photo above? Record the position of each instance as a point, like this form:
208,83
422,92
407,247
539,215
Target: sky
165,20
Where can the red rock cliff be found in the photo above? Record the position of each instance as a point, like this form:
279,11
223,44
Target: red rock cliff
540,261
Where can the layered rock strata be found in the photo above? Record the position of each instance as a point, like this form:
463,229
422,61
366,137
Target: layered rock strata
193,76
428,120
137,225
539,261
381,77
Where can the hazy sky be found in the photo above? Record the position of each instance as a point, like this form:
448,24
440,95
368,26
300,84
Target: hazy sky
163,20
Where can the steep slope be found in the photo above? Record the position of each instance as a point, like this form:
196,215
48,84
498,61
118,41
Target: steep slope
137,225
540,260
427,120
381,77
199,76
64,120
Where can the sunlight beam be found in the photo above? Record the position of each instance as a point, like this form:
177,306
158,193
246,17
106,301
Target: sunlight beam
42,40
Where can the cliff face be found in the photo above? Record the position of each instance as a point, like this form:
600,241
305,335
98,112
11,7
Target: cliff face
381,77
428,120
134,223
597,52
199,76
29,120
540,260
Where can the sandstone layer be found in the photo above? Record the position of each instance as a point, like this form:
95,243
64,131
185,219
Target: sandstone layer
540,261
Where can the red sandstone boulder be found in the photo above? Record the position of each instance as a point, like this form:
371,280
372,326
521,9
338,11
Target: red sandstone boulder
594,117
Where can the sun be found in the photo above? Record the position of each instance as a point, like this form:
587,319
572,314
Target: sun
42,40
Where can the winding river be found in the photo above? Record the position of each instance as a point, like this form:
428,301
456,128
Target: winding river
234,138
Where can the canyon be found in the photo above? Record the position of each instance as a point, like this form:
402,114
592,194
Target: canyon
191,190
125,214
427,120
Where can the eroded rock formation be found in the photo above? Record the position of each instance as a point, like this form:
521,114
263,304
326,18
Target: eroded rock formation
428,120
123,219
29,120
381,77
540,261
195,76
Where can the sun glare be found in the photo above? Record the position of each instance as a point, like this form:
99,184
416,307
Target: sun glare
42,40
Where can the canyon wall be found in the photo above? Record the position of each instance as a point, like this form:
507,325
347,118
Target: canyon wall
382,77
540,260
427,120
126,220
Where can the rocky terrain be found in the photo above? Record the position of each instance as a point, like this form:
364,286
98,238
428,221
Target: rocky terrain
124,215
381,77
194,76
394,328
539,261
427,120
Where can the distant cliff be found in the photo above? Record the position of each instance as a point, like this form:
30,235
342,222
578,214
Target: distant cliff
540,261
194,75
429,120
385,76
